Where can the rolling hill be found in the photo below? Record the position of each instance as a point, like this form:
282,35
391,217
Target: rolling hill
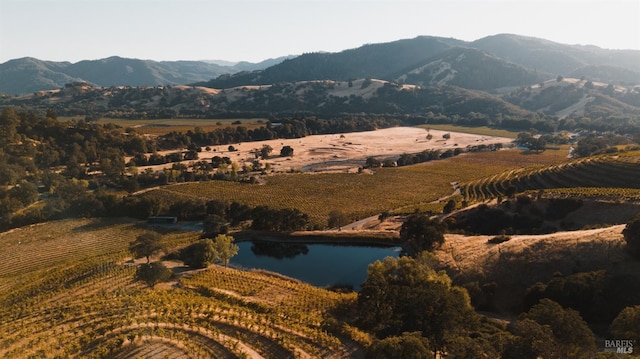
489,63
324,98
503,74
374,61
26,75
504,60
555,58
469,68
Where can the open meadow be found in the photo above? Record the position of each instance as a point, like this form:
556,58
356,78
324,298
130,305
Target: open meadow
345,152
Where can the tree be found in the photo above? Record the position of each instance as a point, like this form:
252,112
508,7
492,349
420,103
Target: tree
130,184
146,245
224,248
627,324
214,224
286,151
533,143
422,233
631,235
153,273
372,162
9,122
200,254
531,341
407,346
407,295
449,207
337,219
25,192
566,334
285,219
265,151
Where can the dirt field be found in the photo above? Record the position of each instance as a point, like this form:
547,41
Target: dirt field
346,152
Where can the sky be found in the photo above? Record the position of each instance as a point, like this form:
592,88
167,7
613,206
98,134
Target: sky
255,30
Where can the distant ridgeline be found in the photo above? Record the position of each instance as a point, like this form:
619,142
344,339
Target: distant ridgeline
502,77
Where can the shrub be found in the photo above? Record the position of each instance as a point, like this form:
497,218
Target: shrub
632,236
153,273
499,239
559,208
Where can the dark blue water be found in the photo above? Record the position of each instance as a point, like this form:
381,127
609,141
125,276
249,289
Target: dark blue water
322,265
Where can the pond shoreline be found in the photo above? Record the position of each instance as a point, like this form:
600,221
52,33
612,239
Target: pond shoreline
350,238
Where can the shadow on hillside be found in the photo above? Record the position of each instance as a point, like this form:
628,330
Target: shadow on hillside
103,223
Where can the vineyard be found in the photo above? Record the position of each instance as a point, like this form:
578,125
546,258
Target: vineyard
68,291
604,176
362,195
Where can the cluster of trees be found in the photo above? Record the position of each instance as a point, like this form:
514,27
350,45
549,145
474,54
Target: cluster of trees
19,196
200,254
631,235
414,310
520,215
207,251
407,159
598,295
594,145
44,158
531,142
146,245
30,143
405,295
422,233
71,166
294,127
221,215
279,220
63,198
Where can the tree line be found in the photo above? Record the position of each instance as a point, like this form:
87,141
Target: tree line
290,127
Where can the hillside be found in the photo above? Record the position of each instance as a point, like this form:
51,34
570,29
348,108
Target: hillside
511,75
469,68
27,75
73,295
503,60
373,61
594,173
555,58
513,60
324,98
564,97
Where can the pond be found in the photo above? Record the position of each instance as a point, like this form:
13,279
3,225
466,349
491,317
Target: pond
322,265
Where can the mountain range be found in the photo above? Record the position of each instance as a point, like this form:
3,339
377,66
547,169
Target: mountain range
506,75
25,75
486,64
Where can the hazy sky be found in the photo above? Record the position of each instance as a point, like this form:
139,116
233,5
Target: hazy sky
254,30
